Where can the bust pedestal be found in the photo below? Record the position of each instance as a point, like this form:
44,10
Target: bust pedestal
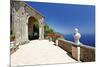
77,37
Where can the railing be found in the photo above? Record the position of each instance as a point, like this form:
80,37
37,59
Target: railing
87,53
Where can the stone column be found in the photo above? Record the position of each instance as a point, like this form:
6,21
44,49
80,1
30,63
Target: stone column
41,29
16,21
26,30
20,25
24,24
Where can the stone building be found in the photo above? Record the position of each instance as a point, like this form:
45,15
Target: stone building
26,23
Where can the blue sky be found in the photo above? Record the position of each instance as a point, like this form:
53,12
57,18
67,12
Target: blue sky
64,18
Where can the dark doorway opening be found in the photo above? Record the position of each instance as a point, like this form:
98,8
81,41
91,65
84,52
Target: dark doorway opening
33,29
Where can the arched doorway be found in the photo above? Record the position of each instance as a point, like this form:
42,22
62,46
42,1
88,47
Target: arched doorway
33,28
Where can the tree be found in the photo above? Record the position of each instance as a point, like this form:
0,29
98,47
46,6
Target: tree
47,30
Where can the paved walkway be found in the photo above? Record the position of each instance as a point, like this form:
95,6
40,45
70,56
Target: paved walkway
39,52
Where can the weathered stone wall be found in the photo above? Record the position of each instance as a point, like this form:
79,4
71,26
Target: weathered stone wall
20,21
87,53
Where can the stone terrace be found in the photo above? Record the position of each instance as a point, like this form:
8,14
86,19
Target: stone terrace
39,52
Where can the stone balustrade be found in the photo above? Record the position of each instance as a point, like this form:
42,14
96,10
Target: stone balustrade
87,53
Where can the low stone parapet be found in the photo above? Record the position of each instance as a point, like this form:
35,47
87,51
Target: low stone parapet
65,46
87,53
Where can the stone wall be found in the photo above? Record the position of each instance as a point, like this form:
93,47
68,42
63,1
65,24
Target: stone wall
20,20
65,46
87,53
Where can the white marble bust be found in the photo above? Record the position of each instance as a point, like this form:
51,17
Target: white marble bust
77,36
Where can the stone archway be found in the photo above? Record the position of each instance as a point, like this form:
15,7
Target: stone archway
21,14
33,28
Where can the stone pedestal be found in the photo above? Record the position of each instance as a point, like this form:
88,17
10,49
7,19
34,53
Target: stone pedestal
56,42
74,52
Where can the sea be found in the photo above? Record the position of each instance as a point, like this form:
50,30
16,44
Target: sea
85,39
